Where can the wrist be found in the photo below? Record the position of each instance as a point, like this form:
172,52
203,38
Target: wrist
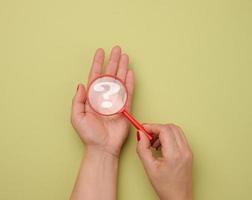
177,196
96,152
98,172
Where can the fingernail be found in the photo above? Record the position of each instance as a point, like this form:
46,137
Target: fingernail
138,136
77,87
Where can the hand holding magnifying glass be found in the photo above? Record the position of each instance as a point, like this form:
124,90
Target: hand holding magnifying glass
107,95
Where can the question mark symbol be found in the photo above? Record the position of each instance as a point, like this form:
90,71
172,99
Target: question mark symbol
113,89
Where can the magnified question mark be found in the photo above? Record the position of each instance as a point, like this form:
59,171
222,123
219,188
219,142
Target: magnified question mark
113,88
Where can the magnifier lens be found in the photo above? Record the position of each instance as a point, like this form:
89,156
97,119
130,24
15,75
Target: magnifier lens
107,95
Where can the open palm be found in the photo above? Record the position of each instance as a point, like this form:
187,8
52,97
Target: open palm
106,133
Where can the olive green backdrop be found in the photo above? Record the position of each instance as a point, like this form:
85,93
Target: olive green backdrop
192,61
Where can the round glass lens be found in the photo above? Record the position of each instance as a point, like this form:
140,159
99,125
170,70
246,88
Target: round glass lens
107,95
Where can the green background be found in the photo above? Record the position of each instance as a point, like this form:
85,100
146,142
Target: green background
192,61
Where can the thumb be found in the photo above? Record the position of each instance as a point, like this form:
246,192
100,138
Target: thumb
144,151
78,102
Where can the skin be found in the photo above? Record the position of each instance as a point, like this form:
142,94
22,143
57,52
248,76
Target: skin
170,174
103,138
97,178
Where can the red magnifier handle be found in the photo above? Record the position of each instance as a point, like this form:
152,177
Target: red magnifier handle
137,124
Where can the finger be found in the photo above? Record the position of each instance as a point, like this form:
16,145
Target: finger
166,137
113,61
96,68
154,138
156,144
154,128
78,102
182,135
144,151
178,137
130,87
123,67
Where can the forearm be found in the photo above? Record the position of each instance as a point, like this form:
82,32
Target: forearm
97,178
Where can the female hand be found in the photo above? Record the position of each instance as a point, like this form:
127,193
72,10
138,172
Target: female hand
99,133
170,174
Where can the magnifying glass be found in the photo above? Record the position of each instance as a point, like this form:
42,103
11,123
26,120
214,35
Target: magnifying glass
107,95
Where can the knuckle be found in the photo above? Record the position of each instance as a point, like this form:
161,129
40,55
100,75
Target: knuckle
178,127
172,125
175,127
165,127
